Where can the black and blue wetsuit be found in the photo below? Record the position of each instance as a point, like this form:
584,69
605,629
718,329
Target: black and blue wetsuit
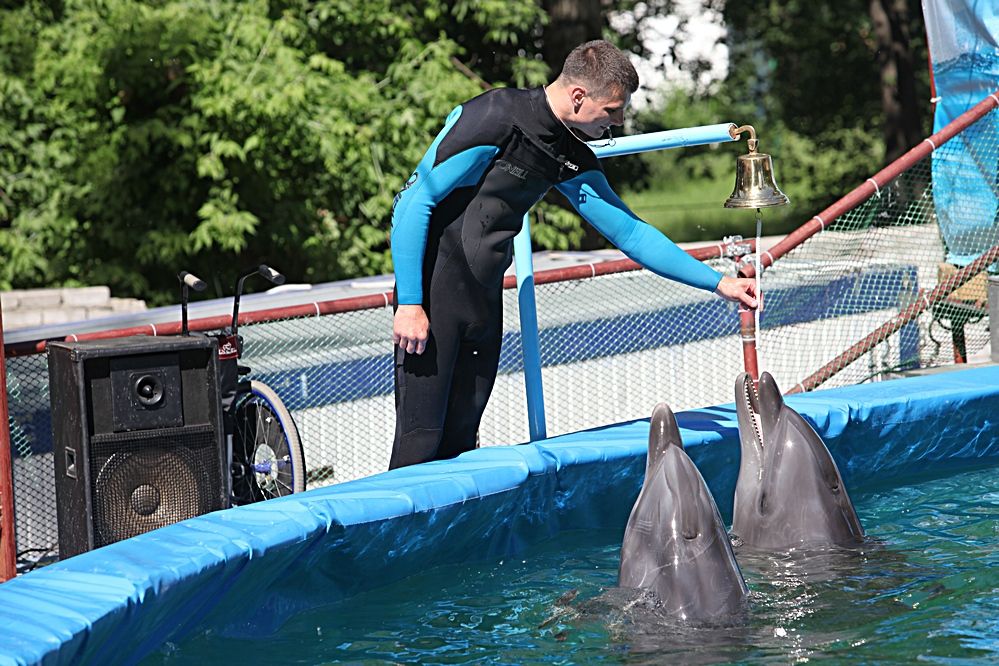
453,226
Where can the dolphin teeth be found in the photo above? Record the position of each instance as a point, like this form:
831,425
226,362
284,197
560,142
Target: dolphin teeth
757,425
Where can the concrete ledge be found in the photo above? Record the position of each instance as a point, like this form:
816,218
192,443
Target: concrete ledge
86,296
26,308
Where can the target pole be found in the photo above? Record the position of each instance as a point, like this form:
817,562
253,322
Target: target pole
8,549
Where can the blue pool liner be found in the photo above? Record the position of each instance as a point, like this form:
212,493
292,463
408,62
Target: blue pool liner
244,571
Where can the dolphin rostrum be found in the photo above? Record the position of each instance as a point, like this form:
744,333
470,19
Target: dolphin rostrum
675,544
789,493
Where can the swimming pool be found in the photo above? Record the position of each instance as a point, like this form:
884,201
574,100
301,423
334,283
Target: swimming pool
245,573
926,592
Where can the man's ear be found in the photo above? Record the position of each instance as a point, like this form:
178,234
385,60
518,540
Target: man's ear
577,94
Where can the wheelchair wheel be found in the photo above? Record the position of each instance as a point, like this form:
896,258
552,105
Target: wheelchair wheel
268,460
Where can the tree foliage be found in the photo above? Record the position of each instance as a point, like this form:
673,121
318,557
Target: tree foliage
807,76
140,138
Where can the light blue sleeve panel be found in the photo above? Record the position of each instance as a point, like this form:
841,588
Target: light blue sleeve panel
593,198
426,188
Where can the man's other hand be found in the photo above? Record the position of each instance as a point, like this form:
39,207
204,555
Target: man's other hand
411,328
740,290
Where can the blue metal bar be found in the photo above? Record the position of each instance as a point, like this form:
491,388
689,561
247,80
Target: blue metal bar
625,145
529,332
641,143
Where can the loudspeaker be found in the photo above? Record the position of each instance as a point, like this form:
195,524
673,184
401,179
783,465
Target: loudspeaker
137,436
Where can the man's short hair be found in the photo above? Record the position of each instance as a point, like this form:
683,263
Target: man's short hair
602,67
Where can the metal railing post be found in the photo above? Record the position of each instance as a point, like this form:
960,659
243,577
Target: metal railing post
747,335
8,549
625,145
529,332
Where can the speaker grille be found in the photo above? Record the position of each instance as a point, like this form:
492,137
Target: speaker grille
147,479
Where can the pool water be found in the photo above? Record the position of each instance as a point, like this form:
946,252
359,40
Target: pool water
928,590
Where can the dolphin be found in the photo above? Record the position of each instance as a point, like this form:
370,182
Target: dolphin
789,493
675,544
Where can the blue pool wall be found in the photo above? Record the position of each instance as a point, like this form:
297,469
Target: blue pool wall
245,571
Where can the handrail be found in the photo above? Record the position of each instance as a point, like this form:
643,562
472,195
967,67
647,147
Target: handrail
820,222
925,299
354,303
873,185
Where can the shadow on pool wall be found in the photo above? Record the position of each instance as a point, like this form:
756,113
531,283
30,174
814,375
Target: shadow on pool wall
245,571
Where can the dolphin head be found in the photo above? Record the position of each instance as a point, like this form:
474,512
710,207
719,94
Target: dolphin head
789,493
675,544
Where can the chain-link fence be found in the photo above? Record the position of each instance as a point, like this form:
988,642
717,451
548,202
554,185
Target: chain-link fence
612,346
912,258
609,347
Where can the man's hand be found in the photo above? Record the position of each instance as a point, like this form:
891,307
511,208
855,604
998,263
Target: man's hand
411,328
740,290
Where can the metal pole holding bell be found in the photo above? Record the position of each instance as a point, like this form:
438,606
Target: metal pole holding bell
755,187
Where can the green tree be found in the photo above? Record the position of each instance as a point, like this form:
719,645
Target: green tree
827,70
831,92
139,138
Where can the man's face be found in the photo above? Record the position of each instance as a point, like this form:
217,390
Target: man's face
594,114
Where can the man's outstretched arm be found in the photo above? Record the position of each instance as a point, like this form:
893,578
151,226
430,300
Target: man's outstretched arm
593,198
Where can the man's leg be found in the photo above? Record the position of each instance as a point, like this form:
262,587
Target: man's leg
422,386
474,376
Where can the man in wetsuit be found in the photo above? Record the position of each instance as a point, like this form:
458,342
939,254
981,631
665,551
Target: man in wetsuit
453,226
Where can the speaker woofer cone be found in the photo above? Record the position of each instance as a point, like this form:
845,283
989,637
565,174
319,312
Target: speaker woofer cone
139,491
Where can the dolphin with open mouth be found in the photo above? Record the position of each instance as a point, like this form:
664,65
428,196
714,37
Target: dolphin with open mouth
789,493
675,544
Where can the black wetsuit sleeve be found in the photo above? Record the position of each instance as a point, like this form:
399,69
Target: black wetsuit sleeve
433,180
593,198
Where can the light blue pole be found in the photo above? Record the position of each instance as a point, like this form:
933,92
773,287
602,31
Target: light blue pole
679,138
625,145
529,332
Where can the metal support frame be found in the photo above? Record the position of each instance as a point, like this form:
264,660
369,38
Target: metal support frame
628,145
8,549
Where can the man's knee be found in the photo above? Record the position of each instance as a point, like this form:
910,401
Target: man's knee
415,446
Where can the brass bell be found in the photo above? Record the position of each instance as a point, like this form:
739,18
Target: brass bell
754,177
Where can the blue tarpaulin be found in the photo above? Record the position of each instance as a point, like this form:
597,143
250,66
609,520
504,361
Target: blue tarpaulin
963,38
244,571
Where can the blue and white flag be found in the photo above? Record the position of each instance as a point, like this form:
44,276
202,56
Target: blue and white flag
964,50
